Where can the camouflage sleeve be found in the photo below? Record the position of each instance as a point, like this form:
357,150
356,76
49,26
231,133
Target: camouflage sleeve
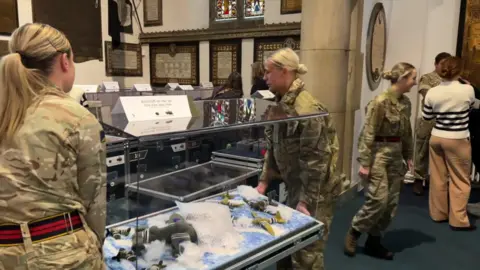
424,85
91,164
269,159
373,120
407,138
314,160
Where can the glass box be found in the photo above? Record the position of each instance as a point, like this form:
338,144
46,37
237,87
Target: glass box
170,161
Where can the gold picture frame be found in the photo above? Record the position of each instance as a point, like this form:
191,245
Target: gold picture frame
164,56
111,70
232,47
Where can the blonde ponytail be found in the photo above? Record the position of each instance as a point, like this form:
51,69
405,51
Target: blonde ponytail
24,73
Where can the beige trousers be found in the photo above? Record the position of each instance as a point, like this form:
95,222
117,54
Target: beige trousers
450,158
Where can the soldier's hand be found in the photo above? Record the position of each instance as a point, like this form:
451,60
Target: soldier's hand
364,172
302,208
262,187
410,165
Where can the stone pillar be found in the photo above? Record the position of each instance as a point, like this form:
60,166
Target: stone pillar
325,50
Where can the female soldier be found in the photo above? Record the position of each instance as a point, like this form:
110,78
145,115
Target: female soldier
384,144
52,166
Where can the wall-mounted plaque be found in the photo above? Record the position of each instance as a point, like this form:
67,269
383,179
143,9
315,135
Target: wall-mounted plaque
152,12
291,6
85,35
174,62
468,42
376,46
126,60
3,48
264,47
8,16
226,58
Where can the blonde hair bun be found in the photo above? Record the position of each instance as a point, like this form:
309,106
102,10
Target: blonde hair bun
387,75
302,69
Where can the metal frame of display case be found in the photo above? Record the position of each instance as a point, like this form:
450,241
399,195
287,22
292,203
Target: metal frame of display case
278,249
237,160
136,187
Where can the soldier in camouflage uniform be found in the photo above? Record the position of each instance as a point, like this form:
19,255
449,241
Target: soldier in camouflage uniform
384,144
304,153
52,166
424,127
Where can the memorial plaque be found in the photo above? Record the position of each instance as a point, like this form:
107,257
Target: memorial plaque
80,21
291,6
152,12
376,46
468,42
264,47
8,16
126,60
226,58
3,48
175,62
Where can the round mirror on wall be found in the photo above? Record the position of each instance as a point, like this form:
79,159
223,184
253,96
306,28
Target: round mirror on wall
376,46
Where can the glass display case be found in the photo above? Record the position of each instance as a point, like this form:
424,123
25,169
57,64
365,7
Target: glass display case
198,172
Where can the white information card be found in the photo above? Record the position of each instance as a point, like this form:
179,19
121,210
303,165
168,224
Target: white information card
207,85
263,94
144,128
147,108
88,88
111,86
185,87
142,87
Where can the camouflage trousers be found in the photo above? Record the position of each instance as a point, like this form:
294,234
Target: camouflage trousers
79,250
382,192
311,257
422,141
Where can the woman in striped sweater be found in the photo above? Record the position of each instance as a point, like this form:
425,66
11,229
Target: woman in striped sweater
449,105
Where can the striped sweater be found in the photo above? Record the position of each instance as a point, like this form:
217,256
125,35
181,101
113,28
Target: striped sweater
449,104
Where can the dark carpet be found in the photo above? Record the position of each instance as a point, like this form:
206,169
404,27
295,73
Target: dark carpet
419,243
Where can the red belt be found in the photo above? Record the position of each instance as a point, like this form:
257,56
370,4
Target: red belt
387,139
41,230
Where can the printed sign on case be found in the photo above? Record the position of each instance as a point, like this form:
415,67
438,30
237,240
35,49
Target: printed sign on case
111,86
87,88
160,126
185,87
263,94
207,85
142,87
147,108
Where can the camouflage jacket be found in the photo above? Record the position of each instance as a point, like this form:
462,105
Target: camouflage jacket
55,164
304,152
428,81
387,115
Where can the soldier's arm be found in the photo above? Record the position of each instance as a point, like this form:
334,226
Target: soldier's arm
423,86
91,164
373,120
407,138
314,160
269,161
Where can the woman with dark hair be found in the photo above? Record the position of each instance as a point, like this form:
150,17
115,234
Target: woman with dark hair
449,104
233,88
258,83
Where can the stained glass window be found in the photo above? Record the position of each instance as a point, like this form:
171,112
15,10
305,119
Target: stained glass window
226,9
254,8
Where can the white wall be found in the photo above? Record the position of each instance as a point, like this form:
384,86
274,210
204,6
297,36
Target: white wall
417,30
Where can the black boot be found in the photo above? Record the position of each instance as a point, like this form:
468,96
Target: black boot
374,248
350,246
